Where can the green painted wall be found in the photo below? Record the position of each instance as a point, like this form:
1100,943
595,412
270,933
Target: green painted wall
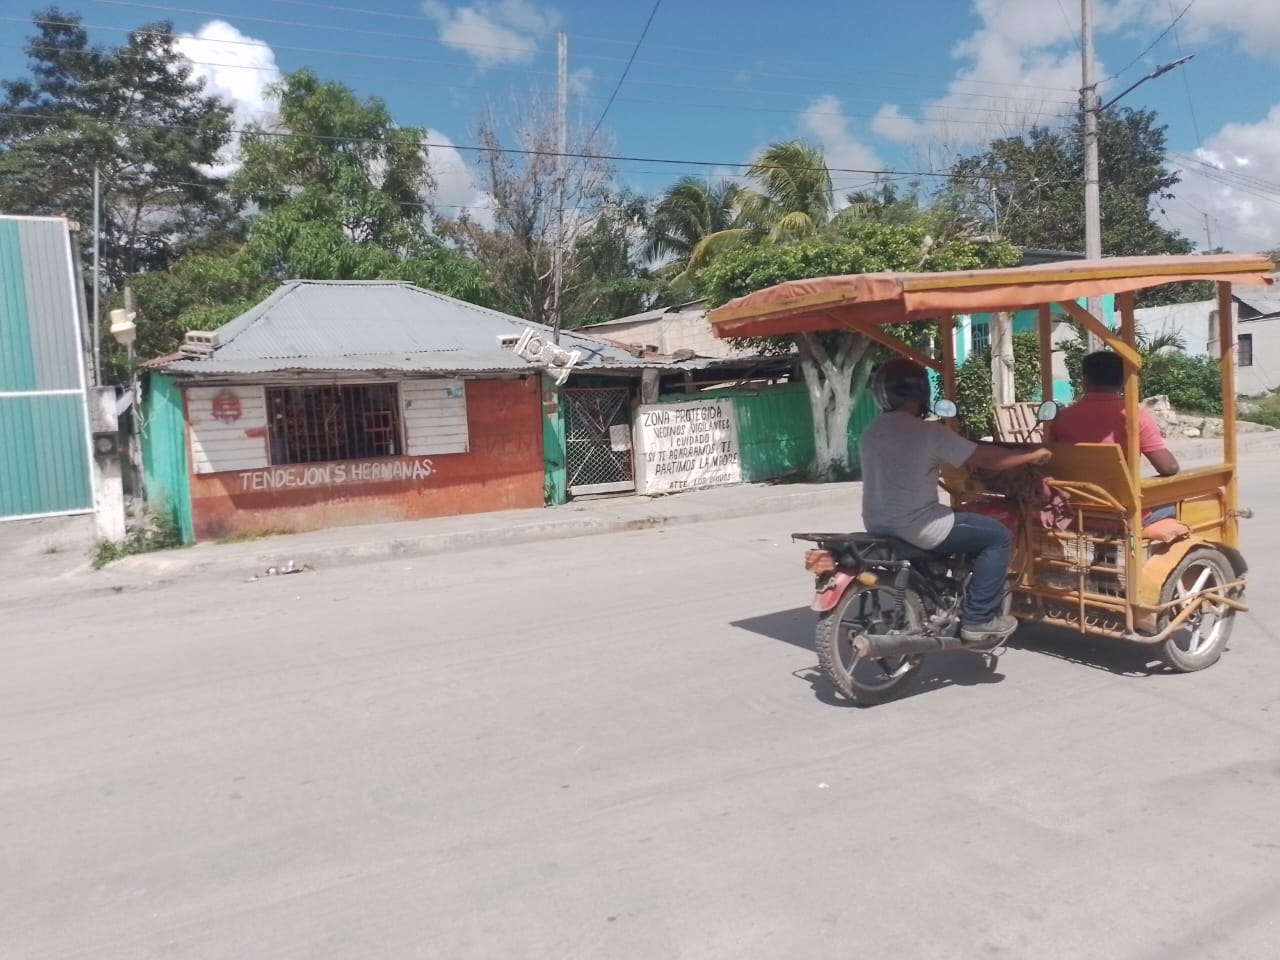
44,450
44,462
164,454
775,428
555,483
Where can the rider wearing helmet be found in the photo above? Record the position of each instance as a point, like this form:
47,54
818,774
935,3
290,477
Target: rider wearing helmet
901,455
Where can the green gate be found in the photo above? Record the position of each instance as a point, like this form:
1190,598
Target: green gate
44,425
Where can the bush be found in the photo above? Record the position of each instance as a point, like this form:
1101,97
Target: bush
1192,384
158,531
1265,411
973,385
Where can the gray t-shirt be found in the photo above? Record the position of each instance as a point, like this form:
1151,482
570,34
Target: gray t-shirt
901,456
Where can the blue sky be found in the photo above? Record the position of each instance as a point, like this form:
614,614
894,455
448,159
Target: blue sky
902,86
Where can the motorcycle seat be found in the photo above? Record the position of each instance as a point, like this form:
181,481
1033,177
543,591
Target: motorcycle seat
873,543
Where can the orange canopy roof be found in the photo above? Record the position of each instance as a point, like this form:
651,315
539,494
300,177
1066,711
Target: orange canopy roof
829,303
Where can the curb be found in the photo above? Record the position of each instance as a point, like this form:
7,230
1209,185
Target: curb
154,571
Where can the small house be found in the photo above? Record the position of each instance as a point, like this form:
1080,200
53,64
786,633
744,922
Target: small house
364,401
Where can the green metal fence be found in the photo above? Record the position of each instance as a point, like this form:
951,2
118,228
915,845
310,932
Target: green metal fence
44,427
164,454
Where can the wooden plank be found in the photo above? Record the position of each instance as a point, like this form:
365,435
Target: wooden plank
434,421
220,446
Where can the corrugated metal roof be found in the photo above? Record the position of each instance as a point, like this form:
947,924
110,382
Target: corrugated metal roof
460,361
371,325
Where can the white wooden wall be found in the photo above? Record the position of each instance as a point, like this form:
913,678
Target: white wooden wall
435,417
217,447
434,414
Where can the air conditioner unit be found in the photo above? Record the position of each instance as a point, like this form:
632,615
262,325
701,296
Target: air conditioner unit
537,348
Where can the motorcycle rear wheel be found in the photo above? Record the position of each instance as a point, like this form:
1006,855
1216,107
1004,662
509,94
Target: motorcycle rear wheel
865,610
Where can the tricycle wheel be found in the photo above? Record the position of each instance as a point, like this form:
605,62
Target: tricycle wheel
1198,642
866,610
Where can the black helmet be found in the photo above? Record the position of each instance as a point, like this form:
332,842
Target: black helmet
898,380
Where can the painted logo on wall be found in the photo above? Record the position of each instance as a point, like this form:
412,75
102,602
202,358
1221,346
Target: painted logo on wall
226,407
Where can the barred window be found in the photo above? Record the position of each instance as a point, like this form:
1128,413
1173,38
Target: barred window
319,424
980,337
1244,345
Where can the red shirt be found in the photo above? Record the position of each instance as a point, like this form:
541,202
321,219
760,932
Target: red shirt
1099,418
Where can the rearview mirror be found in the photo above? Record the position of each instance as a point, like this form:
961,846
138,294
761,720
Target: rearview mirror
1047,411
945,409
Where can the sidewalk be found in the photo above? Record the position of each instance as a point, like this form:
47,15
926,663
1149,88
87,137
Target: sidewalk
45,561
40,569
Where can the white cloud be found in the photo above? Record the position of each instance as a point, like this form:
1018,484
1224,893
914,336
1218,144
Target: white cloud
493,32
1242,201
1020,67
239,70
455,190
1254,25
824,121
235,67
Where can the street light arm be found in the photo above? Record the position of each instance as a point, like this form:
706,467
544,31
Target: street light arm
1158,72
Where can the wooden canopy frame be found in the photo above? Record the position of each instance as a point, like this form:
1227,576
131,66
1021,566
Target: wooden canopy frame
865,303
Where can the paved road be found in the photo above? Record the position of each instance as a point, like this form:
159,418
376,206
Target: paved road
618,747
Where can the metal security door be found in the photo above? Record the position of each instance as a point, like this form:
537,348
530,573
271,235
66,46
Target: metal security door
598,440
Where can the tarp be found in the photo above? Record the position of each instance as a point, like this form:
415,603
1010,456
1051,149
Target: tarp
828,303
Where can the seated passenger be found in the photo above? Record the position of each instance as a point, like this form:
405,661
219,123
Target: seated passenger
1098,416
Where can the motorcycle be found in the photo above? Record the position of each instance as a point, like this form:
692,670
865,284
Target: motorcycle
884,604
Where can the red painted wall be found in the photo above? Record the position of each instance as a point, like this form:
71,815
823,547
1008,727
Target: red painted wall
503,470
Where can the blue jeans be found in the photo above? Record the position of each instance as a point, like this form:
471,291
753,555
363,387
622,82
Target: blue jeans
987,541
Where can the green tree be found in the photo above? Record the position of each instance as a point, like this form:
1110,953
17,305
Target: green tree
837,365
1193,384
793,197
1029,189
691,211
974,393
788,198
339,188
612,282
137,114
523,175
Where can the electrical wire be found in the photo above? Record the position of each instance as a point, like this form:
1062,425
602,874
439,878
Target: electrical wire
1152,45
625,70
990,113
518,151
257,44
702,54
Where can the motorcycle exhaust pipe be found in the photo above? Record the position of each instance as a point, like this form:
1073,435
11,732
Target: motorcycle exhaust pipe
900,645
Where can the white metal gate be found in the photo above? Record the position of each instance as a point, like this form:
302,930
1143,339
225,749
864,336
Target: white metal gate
598,440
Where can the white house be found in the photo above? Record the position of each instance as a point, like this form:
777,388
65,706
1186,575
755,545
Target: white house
1256,340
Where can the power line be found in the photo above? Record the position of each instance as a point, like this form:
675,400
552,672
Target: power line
506,68
366,12
989,112
1152,45
627,69
518,151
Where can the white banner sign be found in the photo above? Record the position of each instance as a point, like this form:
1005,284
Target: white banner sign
683,446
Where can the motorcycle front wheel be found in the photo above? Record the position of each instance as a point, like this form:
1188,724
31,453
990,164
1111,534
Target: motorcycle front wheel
868,610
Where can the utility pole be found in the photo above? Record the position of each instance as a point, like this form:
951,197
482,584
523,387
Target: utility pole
1092,202
95,322
562,147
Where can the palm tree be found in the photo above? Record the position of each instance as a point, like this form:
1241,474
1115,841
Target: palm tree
693,218
791,198
794,199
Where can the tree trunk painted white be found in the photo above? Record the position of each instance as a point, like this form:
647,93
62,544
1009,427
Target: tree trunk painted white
1002,359
835,381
